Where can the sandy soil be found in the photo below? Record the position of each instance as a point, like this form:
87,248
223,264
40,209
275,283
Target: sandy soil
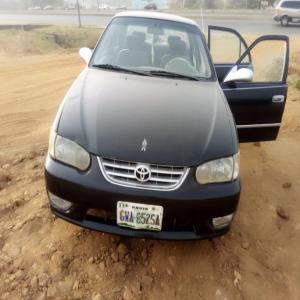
42,257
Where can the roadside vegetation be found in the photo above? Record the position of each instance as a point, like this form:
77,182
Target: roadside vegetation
222,4
294,71
190,4
46,39
297,82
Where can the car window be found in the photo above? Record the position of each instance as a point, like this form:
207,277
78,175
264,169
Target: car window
149,44
225,47
268,61
289,4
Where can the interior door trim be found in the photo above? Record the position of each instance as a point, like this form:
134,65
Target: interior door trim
258,125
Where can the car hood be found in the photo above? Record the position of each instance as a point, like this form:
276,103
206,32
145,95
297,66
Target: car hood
183,122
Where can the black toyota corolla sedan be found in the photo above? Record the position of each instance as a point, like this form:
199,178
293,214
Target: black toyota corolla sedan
146,141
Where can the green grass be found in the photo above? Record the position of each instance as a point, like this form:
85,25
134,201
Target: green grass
47,39
297,82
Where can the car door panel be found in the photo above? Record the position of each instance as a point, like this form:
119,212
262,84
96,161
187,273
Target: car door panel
223,69
257,116
257,107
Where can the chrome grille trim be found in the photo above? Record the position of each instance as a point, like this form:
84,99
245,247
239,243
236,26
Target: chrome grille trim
122,173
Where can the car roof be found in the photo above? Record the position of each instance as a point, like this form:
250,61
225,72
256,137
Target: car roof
156,15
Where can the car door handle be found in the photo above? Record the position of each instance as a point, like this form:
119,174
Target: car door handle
278,98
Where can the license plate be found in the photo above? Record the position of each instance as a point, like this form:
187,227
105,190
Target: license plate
139,216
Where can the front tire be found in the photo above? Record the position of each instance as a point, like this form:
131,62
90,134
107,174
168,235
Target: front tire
285,21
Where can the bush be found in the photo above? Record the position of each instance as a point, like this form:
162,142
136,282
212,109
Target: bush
48,39
297,83
253,4
71,37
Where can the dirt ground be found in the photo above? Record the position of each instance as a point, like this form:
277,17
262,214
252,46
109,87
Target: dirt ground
42,257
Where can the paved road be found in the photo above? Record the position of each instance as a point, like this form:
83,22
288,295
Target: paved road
250,25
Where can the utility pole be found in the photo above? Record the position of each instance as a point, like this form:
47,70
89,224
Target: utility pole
78,14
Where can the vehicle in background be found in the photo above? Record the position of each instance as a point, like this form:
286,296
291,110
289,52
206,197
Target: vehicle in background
35,8
70,7
48,7
104,6
150,6
121,7
287,11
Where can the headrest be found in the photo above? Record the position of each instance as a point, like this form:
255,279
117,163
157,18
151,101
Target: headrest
133,42
177,46
173,39
141,35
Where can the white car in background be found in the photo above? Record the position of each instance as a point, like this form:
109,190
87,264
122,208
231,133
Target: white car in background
287,11
48,7
104,6
35,8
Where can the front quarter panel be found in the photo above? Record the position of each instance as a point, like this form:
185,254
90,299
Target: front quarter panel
73,92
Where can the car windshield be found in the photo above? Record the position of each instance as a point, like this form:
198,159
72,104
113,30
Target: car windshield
153,46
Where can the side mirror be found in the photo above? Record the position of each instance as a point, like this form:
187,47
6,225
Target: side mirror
235,74
85,54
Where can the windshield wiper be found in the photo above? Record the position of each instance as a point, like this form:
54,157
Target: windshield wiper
119,69
172,75
145,73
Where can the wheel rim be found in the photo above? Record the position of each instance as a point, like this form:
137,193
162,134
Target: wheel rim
285,21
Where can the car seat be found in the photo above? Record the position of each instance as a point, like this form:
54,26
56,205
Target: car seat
134,55
177,49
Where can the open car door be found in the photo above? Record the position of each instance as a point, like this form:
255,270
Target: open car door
253,80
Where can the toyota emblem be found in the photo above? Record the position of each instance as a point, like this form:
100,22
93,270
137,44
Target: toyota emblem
142,173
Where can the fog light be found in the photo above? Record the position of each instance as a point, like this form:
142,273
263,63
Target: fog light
59,203
221,222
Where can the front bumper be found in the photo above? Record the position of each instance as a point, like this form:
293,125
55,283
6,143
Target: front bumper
277,18
187,211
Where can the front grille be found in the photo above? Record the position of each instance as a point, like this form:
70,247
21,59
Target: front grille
161,177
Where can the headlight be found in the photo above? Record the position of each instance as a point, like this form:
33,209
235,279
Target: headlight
68,152
220,170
